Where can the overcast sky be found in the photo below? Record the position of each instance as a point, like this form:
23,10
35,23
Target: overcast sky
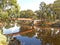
32,4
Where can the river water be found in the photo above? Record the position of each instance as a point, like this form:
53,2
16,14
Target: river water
38,36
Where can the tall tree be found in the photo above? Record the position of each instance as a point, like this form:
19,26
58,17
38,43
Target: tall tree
10,7
50,12
46,12
56,8
43,10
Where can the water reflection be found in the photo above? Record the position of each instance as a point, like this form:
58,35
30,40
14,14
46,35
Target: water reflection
38,35
49,36
14,29
28,41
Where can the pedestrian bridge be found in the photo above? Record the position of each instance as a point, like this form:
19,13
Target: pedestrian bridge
28,19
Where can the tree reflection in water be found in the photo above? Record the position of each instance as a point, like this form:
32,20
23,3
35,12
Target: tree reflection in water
49,37
14,41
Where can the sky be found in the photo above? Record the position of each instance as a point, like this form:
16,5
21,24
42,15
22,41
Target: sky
32,4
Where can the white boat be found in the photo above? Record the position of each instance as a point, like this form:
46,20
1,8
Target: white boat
14,29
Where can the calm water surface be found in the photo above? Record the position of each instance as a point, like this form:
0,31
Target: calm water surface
28,40
39,36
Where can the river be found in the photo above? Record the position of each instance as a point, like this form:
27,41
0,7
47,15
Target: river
37,35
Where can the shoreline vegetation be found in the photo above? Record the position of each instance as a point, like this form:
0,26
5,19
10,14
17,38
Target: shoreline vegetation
48,14
30,22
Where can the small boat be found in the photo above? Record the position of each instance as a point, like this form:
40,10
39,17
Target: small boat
14,29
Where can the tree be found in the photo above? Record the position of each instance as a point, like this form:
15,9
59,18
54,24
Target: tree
46,12
22,14
43,10
30,13
56,8
9,8
50,12
26,14
38,14
3,15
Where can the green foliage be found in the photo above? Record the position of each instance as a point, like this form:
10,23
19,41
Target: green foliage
3,15
46,12
56,8
9,9
27,14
